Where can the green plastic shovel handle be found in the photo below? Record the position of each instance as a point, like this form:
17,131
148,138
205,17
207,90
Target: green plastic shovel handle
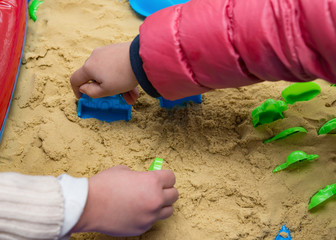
156,164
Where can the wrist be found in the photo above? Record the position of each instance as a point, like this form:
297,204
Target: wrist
84,224
137,69
130,71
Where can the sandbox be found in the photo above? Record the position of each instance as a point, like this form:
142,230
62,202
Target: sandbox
223,168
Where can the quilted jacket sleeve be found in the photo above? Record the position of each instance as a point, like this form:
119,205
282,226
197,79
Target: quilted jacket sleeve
192,48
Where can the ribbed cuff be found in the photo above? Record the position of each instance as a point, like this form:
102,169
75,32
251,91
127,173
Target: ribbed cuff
136,63
75,191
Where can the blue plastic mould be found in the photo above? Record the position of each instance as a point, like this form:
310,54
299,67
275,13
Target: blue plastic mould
283,230
108,109
147,7
180,102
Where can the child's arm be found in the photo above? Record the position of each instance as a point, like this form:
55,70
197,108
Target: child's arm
202,45
117,201
207,44
31,207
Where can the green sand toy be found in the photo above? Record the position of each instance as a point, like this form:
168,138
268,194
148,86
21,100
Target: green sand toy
328,127
286,133
269,111
32,9
322,195
156,164
333,85
300,92
294,157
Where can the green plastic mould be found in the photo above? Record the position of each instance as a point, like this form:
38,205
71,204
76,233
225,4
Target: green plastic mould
286,133
322,195
269,111
328,127
32,9
294,157
300,92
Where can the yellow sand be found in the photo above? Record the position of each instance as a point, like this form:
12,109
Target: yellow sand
224,171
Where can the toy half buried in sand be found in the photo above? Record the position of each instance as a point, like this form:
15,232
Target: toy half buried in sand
284,234
322,195
147,7
286,133
108,109
32,9
156,164
328,127
180,102
294,157
300,92
269,111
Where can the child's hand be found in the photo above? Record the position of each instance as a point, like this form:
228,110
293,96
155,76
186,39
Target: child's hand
107,72
122,202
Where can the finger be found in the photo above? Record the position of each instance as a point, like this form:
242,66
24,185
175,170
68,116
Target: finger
167,178
121,167
77,79
170,195
128,98
92,89
131,96
134,93
166,212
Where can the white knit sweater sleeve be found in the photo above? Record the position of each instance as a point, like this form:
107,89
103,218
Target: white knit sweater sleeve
31,207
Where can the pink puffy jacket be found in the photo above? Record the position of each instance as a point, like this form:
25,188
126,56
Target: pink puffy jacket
191,48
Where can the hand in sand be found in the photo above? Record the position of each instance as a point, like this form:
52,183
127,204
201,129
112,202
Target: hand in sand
122,202
107,72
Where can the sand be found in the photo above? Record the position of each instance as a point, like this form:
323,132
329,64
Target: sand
223,170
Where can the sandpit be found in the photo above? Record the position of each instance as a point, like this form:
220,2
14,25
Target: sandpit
223,169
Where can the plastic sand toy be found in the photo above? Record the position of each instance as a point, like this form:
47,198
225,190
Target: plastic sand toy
294,157
286,133
269,111
183,102
283,231
156,164
147,7
300,92
109,109
322,195
333,85
328,127
32,9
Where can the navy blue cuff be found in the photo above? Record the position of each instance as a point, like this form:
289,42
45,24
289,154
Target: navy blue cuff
136,63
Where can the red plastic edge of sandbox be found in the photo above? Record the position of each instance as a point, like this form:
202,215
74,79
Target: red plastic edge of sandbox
13,19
